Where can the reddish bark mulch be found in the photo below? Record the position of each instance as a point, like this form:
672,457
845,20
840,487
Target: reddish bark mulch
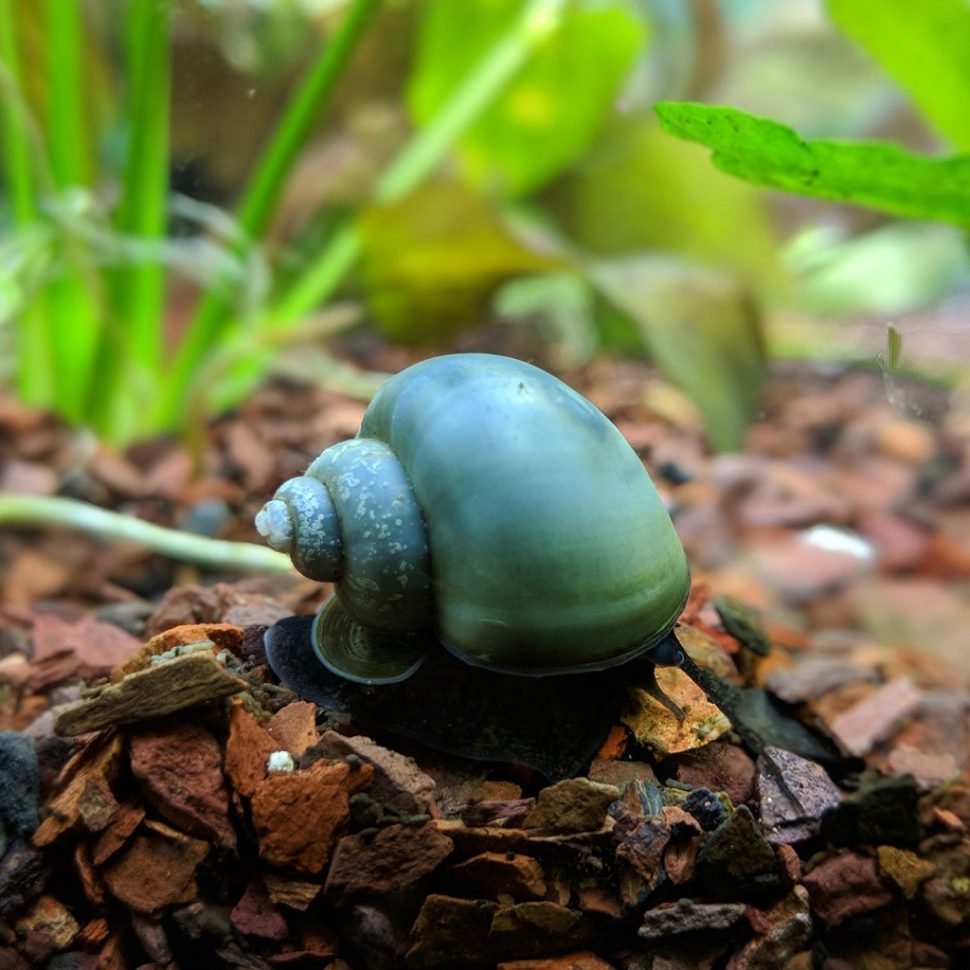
186,811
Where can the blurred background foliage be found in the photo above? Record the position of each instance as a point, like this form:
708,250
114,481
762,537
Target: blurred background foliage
472,162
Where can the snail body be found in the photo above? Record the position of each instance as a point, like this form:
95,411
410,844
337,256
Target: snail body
486,501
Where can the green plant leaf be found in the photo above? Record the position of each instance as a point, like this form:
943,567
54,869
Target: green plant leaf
562,304
701,328
881,176
925,47
431,262
552,110
916,263
638,189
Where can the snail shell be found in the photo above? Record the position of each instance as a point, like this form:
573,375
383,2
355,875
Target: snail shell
486,501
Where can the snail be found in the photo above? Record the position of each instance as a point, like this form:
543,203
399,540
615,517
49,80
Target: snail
487,507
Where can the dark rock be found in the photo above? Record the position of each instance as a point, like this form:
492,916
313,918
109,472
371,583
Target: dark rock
19,786
705,806
845,886
608,771
53,753
23,875
510,813
10,959
573,805
72,960
372,938
904,868
538,930
131,616
452,933
793,795
744,623
697,951
642,848
720,767
398,783
775,728
253,646
201,923
152,937
946,895
736,861
395,857
780,933
496,874
883,812
689,917
256,915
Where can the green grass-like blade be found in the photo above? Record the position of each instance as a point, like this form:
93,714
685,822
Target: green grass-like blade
67,142
130,341
425,151
213,317
414,163
33,375
17,173
880,176
72,311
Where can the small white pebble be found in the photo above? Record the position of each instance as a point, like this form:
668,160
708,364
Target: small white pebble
280,761
833,539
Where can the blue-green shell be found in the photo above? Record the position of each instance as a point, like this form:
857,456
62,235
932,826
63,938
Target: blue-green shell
548,547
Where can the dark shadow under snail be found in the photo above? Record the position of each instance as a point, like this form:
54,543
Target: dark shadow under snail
490,524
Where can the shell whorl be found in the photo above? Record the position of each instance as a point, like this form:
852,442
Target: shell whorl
352,519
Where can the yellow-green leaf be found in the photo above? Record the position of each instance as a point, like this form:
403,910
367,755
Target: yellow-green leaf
925,47
552,110
431,262
703,331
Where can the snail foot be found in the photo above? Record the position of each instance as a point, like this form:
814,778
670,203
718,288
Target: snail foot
361,654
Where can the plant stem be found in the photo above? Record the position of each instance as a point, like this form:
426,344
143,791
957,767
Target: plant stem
257,205
132,338
33,510
424,152
413,164
71,318
266,184
34,373
15,142
67,145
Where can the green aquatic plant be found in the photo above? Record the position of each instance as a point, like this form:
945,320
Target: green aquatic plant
88,320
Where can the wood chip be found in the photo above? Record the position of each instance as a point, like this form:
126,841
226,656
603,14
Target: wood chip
196,678
864,724
97,763
225,635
